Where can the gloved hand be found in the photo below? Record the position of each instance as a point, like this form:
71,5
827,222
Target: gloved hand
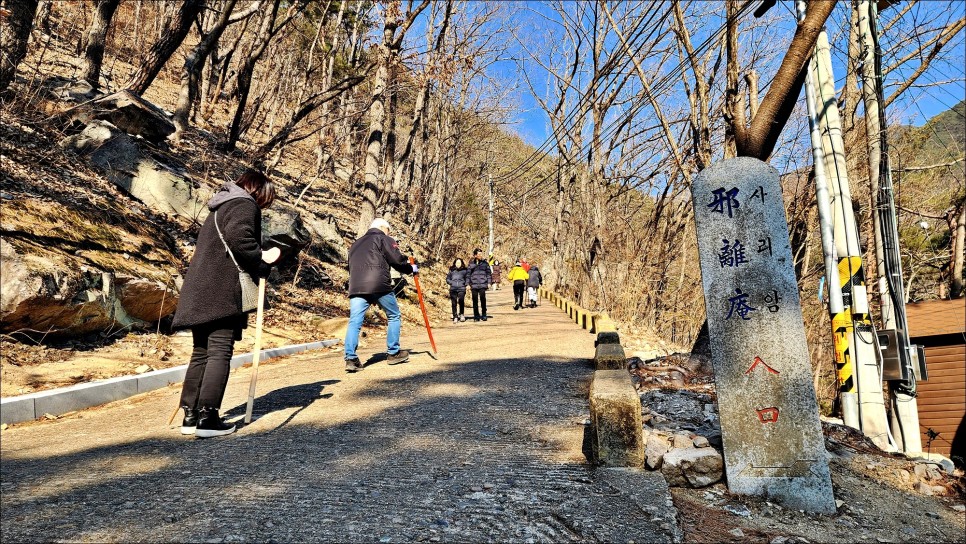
271,255
415,268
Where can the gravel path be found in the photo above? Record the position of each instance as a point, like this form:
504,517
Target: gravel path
480,443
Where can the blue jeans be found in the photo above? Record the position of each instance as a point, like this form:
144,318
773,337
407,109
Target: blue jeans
358,305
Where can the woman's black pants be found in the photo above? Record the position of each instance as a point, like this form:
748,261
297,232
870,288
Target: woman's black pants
207,374
518,288
457,299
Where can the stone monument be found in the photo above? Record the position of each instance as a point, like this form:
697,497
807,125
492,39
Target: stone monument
772,436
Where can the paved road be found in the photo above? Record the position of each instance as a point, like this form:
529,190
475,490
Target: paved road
481,443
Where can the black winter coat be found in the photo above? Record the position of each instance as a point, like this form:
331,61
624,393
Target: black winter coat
369,260
457,279
211,290
536,279
479,275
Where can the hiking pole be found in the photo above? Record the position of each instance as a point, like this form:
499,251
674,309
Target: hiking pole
171,420
422,306
256,350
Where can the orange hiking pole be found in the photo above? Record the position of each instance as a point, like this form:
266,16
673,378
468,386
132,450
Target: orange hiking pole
422,306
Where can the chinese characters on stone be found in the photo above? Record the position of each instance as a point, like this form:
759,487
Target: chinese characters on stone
732,254
725,201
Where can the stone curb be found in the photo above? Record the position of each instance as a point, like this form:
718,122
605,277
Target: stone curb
77,397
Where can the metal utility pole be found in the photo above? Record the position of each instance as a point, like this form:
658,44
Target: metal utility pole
847,398
902,384
490,250
853,333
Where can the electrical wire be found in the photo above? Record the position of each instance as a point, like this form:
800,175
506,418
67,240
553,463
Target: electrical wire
660,86
534,158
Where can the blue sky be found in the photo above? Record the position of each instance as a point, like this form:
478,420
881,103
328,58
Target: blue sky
915,106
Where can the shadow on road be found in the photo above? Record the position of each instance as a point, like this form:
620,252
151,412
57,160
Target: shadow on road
451,424
294,396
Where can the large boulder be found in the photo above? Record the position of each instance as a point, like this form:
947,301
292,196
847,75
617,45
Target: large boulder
692,467
655,448
69,90
282,227
118,156
128,112
328,243
48,295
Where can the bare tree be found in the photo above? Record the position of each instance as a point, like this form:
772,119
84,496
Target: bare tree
758,138
395,26
94,40
16,21
434,65
266,32
171,38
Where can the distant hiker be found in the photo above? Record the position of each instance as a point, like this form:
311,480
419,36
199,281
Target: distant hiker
497,270
457,288
519,278
524,264
211,299
533,283
480,276
370,259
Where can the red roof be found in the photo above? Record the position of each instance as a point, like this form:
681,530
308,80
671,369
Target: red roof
936,317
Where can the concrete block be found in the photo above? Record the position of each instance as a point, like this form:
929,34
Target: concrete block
266,354
77,397
615,413
607,337
606,325
610,357
149,381
85,395
17,409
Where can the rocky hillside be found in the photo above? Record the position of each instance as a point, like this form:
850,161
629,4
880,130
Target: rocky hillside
98,218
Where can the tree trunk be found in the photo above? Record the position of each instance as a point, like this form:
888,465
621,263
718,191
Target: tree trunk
43,15
171,39
266,32
850,96
372,186
14,34
94,40
247,71
194,64
759,139
388,55
958,253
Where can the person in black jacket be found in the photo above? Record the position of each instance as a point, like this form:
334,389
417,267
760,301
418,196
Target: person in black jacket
533,283
456,278
370,258
479,276
210,303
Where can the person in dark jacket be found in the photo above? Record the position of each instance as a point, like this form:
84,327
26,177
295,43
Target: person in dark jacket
370,259
533,283
457,289
210,303
479,276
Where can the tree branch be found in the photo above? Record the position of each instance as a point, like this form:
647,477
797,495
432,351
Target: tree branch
785,88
